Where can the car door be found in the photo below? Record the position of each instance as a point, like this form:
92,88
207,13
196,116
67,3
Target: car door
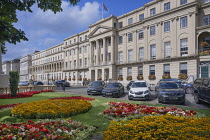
203,87
208,91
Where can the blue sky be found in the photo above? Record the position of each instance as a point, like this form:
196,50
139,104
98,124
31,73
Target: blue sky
46,29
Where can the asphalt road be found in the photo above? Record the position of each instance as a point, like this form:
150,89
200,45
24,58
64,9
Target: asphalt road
188,103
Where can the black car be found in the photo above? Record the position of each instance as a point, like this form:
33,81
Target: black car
95,87
128,87
38,83
187,87
169,92
202,90
113,89
59,83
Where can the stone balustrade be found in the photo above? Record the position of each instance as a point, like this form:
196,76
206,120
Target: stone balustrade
21,89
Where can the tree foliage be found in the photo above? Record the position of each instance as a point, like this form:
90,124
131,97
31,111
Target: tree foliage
13,80
8,16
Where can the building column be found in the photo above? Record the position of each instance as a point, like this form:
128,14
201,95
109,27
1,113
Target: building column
96,74
105,51
112,50
97,52
135,51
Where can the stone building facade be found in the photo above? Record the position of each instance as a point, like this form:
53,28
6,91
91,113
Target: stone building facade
162,37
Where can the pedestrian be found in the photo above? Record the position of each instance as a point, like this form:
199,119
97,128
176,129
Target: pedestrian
63,87
83,83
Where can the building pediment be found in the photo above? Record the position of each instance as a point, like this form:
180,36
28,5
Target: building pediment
100,30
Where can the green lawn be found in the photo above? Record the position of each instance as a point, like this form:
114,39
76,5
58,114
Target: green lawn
91,117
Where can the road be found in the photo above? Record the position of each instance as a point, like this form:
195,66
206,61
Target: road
188,103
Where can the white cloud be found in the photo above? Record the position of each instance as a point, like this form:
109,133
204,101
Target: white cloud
46,29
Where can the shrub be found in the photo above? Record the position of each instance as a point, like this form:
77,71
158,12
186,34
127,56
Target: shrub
13,79
159,127
51,109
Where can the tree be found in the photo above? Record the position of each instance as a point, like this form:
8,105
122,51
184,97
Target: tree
3,49
13,80
8,8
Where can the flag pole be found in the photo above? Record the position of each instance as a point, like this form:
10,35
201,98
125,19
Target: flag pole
102,10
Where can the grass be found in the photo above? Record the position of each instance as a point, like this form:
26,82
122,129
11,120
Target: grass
91,117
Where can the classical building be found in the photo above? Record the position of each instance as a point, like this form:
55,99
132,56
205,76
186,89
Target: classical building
13,65
25,64
162,37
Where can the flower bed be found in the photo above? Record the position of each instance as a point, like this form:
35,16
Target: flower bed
74,97
20,95
47,109
159,128
121,110
8,105
182,76
151,77
140,77
46,130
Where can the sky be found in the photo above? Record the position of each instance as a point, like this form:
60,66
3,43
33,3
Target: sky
46,29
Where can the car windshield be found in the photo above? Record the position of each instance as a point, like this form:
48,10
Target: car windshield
96,84
138,84
112,85
168,86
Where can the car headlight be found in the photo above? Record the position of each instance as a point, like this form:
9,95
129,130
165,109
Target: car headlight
146,92
131,92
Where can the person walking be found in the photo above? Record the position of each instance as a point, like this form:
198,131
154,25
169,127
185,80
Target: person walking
83,83
63,86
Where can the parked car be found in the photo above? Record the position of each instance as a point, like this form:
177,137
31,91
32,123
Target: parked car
187,87
202,90
129,85
139,90
114,89
95,87
169,92
38,83
59,83
23,83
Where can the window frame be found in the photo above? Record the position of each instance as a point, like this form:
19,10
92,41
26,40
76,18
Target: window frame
130,37
152,30
120,40
130,21
141,34
141,17
167,27
153,51
130,56
184,47
152,70
167,49
152,11
181,69
165,69
183,22
167,6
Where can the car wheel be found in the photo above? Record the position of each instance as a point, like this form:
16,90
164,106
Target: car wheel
189,90
196,98
183,103
159,100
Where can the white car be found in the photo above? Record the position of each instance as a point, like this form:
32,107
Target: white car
139,90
